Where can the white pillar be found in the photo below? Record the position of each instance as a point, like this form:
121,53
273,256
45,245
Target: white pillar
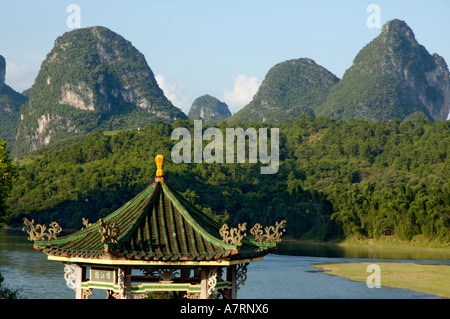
78,280
204,283
124,281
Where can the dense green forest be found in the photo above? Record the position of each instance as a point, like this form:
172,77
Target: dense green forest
8,175
336,179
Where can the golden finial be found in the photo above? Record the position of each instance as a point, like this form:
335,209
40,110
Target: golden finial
159,159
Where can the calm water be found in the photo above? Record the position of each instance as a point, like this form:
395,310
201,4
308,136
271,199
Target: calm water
288,273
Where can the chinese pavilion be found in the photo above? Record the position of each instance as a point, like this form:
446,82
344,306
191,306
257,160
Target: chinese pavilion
157,241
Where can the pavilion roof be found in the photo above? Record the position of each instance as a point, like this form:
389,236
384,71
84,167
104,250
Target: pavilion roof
158,224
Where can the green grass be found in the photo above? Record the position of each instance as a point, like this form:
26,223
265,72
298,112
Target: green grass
391,241
430,279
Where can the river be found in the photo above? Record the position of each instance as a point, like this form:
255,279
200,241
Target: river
284,275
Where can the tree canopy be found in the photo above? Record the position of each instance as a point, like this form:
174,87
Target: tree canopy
336,179
8,175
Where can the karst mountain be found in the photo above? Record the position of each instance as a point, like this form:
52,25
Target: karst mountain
210,109
92,79
393,76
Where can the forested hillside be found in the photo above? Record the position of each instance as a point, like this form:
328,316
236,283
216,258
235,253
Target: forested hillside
336,179
290,88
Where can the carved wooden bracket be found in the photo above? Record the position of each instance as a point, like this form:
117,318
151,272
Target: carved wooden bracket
241,275
70,275
212,280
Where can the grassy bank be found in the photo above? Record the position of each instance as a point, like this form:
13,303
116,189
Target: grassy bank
386,241
431,279
371,248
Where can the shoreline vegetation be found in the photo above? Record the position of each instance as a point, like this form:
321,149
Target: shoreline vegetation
381,248
382,242
430,279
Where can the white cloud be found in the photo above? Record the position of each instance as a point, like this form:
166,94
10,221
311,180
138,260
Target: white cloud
174,92
244,90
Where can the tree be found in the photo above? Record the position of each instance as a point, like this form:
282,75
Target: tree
336,179
5,292
8,175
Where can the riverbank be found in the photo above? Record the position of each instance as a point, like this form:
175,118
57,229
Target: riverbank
381,241
431,279
385,248
385,241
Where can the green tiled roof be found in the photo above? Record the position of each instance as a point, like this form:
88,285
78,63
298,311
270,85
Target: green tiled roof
158,224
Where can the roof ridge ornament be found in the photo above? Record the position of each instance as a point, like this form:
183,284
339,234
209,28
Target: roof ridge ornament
37,233
85,222
234,235
159,159
271,234
109,232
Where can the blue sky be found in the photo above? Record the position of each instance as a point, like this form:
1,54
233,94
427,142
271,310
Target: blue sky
222,48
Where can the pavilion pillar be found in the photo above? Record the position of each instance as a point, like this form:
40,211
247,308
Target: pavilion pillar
204,283
78,280
231,276
125,281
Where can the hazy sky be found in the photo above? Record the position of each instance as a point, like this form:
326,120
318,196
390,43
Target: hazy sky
222,48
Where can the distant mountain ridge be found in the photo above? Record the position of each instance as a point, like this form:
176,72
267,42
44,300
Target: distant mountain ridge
290,88
393,76
95,79
210,109
92,79
10,102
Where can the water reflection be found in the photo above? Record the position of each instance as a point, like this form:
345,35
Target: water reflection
29,270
